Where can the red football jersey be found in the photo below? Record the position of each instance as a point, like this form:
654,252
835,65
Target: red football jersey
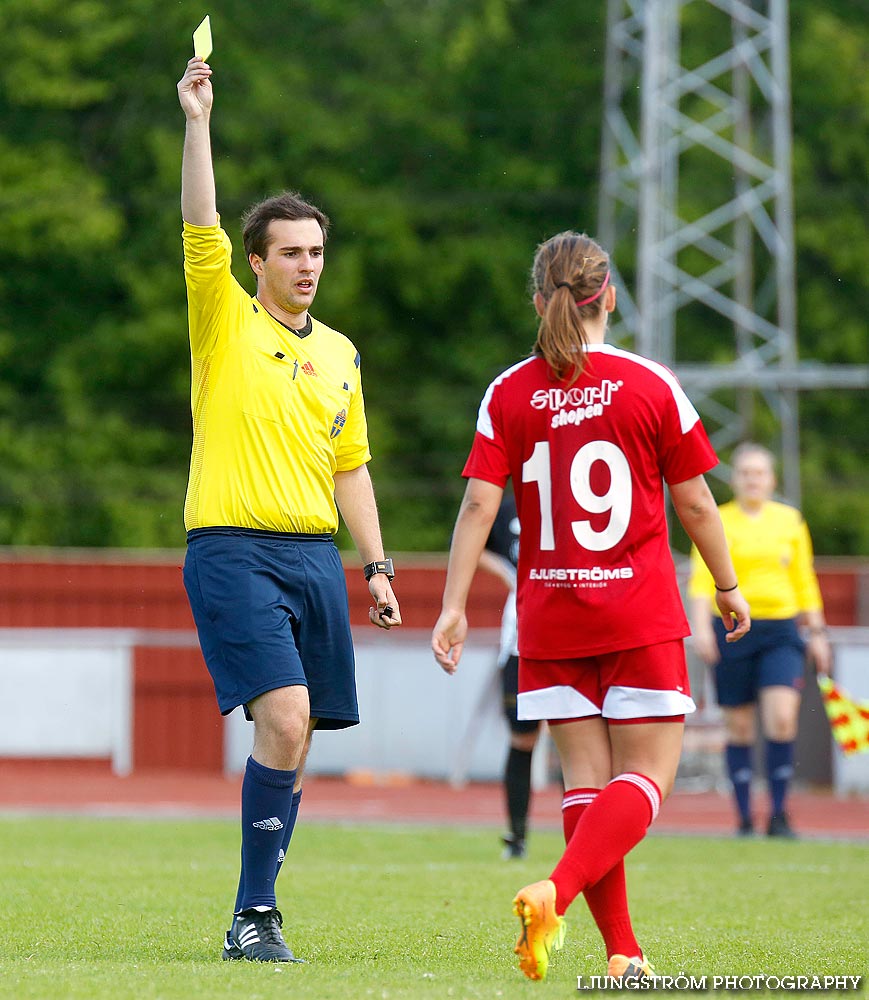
588,464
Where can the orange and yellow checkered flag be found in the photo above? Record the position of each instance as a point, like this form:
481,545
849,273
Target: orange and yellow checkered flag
849,719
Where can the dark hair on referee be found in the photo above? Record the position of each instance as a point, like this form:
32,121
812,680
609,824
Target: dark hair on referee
570,272
288,205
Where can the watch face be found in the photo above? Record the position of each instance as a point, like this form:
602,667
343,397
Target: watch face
379,566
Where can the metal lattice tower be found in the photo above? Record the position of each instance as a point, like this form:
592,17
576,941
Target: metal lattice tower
699,90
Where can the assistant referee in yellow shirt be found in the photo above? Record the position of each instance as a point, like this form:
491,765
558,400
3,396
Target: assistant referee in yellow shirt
280,445
772,555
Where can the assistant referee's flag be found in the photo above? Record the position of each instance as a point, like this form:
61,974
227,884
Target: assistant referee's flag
849,719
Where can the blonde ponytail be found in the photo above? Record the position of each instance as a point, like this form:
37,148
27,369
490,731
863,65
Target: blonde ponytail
570,272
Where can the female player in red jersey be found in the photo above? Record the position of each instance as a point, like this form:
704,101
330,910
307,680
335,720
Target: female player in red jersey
589,435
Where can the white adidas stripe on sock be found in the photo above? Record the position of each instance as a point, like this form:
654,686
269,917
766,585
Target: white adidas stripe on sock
577,799
647,787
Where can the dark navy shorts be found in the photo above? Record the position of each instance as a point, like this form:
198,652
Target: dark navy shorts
771,654
510,695
271,611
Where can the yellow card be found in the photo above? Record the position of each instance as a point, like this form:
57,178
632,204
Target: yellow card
202,38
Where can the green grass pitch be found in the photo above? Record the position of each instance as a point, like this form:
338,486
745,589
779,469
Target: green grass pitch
122,909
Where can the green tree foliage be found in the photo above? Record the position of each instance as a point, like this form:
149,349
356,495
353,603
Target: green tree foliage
444,138
831,143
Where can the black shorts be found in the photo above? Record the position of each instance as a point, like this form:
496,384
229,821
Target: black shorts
271,611
510,692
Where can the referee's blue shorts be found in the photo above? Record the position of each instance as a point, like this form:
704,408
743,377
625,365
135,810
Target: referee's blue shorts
771,654
271,611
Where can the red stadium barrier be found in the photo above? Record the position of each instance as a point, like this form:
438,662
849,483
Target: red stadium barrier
94,590
175,721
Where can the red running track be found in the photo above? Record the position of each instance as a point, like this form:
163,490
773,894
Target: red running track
90,789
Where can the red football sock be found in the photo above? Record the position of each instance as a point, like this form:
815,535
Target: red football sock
607,899
613,823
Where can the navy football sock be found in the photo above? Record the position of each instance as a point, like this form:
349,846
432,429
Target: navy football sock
517,785
266,803
739,769
288,830
779,771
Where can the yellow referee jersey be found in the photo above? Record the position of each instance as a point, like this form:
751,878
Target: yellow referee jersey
772,556
275,414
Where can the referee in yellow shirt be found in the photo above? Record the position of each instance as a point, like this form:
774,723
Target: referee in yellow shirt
772,555
280,445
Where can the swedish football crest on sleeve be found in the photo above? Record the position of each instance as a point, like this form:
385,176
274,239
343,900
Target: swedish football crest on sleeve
338,423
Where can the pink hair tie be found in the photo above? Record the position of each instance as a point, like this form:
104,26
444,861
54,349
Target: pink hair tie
597,294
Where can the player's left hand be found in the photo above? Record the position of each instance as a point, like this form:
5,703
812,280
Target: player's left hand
735,613
448,639
385,613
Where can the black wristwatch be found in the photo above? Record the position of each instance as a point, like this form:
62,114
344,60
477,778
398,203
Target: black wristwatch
379,566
